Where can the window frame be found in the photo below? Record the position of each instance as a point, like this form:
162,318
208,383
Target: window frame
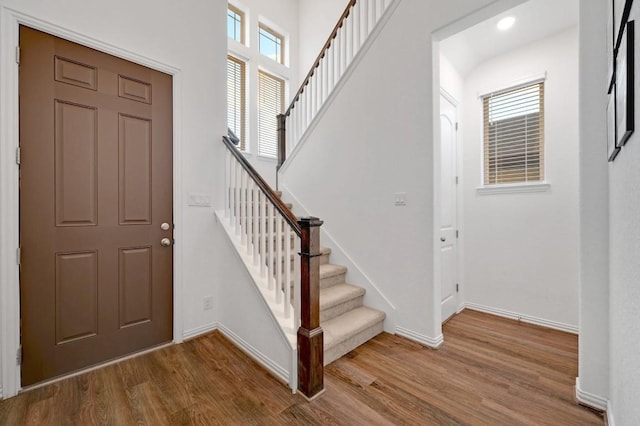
264,27
243,23
523,185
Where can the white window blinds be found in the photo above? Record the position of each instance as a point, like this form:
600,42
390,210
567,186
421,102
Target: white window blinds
236,98
514,135
270,104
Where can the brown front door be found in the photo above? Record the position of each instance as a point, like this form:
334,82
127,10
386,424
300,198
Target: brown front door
95,188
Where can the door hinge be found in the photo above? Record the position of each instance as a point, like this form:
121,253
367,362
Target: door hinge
18,156
457,288
18,256
456,126
457,180
19,355
457,233
18,55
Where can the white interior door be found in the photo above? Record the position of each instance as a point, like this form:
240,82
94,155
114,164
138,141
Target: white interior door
448,208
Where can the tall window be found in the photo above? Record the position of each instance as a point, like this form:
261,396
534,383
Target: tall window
236,98
235,24
514,135
270,104
270,44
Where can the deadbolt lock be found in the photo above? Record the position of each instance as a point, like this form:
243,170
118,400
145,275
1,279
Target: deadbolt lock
165,226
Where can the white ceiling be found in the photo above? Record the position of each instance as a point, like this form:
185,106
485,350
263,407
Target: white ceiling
535,20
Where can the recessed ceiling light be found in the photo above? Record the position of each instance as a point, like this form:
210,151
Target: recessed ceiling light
506,23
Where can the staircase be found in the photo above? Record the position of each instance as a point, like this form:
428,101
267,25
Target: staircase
346,322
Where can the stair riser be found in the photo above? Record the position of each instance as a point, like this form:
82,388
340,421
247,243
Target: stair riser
333,280
334,311
343,348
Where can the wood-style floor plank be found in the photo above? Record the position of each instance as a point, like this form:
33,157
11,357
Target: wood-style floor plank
490,371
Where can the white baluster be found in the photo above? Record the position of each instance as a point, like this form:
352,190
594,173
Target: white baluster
263,232
355,17
379,9
270,221
374,16
364,20
237,198
328,56
325,79
349,39
314,93
296,283
255,229
287,271
249,216
243,207
232,185
279,259
227,184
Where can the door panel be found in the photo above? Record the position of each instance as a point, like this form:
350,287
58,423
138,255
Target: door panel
95,185
448,209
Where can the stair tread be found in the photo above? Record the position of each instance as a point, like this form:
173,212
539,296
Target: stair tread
347,325
330,270
332,296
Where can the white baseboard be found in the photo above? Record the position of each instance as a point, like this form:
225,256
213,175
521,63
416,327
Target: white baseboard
610,419
198,331
280,372
420,338
589,399
524,318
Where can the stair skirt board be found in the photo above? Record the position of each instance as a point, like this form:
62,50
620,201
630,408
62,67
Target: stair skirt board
524,318
281,373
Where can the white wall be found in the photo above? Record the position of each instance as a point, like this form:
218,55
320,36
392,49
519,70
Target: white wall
376,139
281,16
317,20
624,291
521,250
192,39
593,356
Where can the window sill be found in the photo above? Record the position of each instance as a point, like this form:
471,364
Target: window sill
513,188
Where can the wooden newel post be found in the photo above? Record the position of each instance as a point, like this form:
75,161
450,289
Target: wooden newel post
282,140
310,336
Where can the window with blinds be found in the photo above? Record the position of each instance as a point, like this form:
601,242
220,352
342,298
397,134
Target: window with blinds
514,135
236,98
270,104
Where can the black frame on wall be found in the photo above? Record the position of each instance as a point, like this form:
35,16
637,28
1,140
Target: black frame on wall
621,90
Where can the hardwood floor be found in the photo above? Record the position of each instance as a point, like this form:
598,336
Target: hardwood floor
490,371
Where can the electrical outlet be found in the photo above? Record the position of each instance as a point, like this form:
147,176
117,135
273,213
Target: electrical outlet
207,303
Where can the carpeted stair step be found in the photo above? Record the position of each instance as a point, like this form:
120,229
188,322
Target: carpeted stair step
339,299
346,332
332,274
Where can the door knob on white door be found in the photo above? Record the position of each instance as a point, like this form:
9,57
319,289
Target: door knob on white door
443,239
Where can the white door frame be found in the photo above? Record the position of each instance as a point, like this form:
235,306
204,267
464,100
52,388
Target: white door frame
459,271
10,21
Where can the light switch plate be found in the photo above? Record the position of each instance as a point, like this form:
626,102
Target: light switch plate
400,199
200,200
